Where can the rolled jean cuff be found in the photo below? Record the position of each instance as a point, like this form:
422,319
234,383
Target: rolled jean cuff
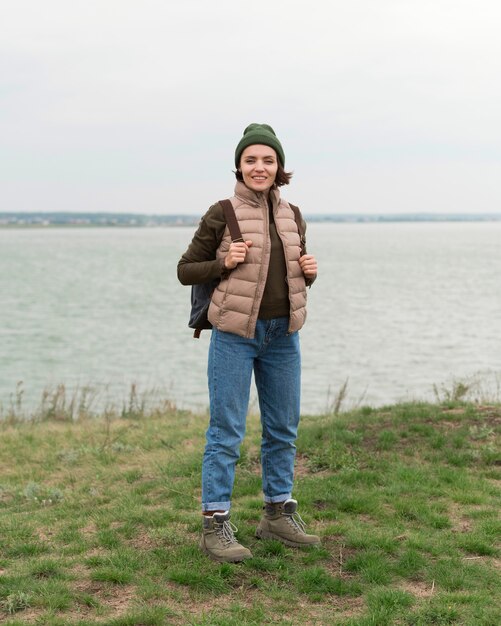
274,499
215,506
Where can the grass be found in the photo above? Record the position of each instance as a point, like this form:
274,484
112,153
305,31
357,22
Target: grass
99,521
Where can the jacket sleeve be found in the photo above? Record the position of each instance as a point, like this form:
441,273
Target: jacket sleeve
309,281
199,264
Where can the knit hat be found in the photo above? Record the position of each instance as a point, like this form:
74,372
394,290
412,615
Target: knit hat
263,134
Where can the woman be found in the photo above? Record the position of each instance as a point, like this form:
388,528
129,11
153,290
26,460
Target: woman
256,312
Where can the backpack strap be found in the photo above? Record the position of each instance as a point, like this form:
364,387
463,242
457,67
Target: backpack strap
236,235
299,223
234,228
231,220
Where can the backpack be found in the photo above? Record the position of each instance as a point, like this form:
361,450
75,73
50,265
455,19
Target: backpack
201,294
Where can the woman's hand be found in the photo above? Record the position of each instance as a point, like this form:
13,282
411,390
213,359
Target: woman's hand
236,254
308,265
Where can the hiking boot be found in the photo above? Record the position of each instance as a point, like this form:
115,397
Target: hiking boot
218,539
280,521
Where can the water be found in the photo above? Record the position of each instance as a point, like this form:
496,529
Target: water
397,308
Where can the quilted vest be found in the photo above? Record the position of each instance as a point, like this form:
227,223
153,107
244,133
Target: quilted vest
236,300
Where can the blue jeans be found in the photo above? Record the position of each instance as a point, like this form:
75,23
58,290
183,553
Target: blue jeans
274,357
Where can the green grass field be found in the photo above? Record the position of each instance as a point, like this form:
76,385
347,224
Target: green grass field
99,522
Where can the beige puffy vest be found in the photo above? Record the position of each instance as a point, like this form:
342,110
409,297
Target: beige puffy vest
236,301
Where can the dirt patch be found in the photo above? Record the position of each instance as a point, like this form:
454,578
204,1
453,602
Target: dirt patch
340,556
29,616
333,608
462,526
190,444
113,598
97,551
302,467
455,411
490,415
89,529
5,497
460,522
319,613
418,589
44,534
116,599
143,541
491,411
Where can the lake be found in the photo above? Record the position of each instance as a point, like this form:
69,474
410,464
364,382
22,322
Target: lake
397,308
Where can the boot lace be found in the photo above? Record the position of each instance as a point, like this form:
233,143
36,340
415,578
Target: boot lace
295,521
226,531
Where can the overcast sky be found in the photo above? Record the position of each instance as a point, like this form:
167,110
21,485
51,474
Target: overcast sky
383,106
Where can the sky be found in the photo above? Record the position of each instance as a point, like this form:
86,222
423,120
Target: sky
387,106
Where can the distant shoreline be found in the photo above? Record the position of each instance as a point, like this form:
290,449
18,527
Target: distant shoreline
136,220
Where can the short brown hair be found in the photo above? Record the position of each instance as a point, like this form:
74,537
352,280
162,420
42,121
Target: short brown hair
282,177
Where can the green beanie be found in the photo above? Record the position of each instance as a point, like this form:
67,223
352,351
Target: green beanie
263,134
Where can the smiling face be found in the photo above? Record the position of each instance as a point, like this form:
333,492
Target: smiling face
258,165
